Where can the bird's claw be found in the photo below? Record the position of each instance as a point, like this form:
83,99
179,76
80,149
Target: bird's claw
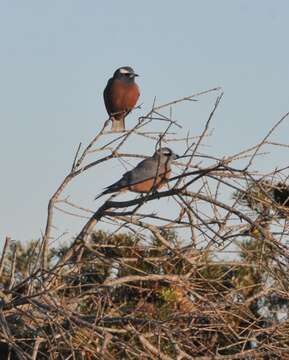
156,193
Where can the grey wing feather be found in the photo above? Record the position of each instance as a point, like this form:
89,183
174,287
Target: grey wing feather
146,169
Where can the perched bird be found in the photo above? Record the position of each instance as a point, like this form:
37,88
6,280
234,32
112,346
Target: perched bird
150,174
120,96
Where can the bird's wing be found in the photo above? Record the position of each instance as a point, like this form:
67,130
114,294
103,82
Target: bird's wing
146,169
107,97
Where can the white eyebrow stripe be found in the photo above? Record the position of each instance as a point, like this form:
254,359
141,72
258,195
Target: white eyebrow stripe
124,71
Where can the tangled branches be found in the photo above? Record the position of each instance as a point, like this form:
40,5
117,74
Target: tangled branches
195,271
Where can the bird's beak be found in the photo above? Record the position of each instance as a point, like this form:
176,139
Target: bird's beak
176,156
136,75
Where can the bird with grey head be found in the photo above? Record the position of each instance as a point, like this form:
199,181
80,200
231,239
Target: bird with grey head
149,175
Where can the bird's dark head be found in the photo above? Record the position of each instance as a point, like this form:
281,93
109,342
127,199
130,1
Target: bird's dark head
125,73
166,154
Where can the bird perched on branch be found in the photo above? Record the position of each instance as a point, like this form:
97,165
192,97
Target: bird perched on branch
149,175
120,96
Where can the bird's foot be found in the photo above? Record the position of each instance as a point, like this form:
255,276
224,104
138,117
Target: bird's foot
142,198
156,193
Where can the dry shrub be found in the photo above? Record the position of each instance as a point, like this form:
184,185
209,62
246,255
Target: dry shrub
208,281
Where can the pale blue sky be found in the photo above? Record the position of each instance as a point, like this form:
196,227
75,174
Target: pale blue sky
56,57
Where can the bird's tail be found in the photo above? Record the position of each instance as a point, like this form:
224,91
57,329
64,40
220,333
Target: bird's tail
118,125
98,196
117,186
108,190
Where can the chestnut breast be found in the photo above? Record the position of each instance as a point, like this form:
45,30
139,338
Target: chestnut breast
147,185
120,97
